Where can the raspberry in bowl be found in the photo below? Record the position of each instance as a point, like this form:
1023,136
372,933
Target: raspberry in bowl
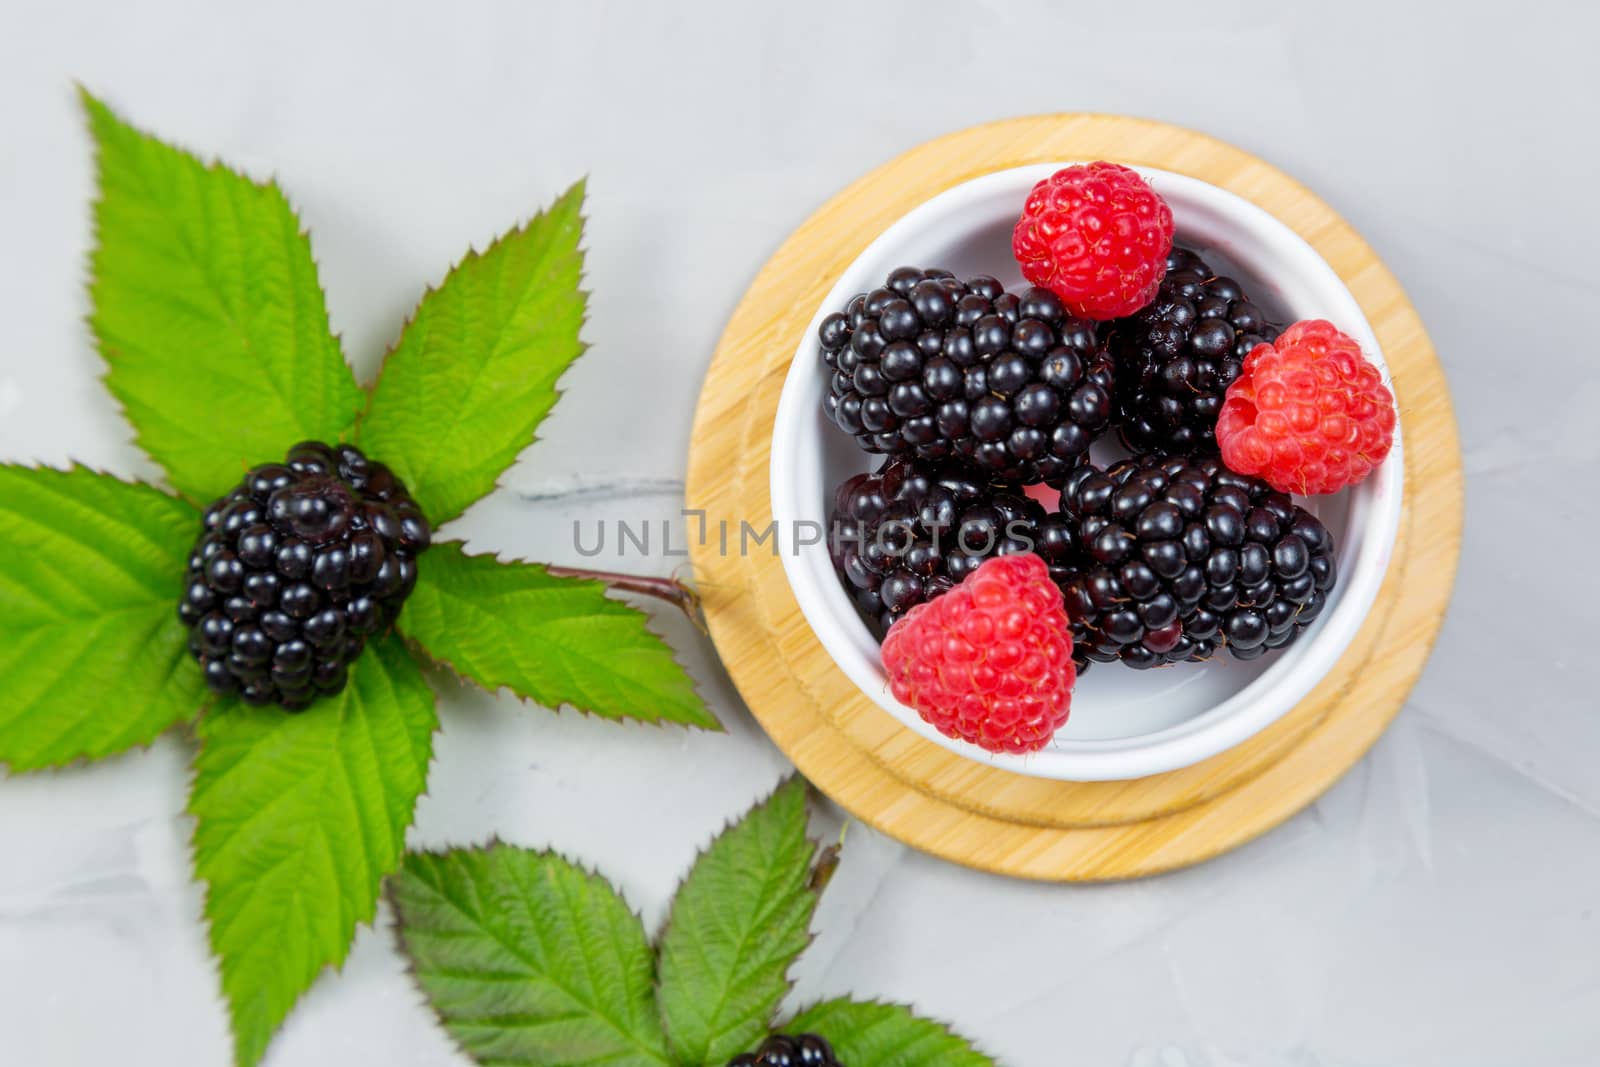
1288,578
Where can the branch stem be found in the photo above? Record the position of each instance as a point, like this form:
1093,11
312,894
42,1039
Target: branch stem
672,590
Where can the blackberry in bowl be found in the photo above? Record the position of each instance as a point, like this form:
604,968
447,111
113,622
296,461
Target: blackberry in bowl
1182,559
1009,384
912,530
295,569
1124,723
1176,357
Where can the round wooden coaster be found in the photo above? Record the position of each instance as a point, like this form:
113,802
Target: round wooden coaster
976,815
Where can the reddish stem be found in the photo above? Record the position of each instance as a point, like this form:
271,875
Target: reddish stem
673,590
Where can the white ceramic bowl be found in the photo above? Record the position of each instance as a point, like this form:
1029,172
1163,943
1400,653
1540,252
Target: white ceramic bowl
1124,723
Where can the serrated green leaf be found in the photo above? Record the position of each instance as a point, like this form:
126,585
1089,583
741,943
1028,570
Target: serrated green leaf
885,1035
91,649
554,640
736,926
475,371
529,959
299,817
208,313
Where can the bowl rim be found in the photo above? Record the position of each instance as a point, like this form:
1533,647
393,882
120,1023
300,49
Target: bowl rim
1376,509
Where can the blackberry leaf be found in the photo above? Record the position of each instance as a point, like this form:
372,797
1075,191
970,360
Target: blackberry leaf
885,1035
548,639
208,312
737,924
299,817
528,959
475,371
91,648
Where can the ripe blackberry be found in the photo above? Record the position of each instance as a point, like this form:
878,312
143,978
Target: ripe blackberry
1181,556
295,569
940,369
1176,358
782,1050
916,528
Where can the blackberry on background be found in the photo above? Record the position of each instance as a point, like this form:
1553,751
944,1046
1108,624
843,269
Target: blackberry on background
936,368
1182,557
1176,358
784,1050
295,569
915,528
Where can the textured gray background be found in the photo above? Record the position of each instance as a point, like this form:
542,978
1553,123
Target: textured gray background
1437,907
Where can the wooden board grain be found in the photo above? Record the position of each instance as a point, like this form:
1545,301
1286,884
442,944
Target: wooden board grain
978,815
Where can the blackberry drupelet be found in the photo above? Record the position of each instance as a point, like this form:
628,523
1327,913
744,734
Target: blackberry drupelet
1181,556
1176,358
294,571
915,528
929,366
783,1050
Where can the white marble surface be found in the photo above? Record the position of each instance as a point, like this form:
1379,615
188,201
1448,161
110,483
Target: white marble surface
1437,907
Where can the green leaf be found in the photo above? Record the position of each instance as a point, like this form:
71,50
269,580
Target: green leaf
92,653
529,959
475,371
299,817
208,313
548,639
885,1035
736,926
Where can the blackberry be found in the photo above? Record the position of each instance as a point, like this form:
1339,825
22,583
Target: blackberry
915,528
295,569
782,1050
941,369
1181,556
1176,358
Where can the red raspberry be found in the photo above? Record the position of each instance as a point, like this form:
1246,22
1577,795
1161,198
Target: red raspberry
990,661
1097,236
1308,413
